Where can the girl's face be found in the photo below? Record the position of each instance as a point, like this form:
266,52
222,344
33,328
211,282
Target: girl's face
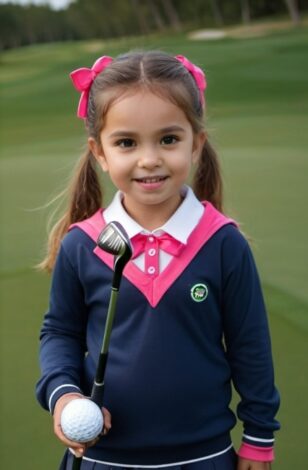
147,146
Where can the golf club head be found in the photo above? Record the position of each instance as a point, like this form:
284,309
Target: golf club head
114,240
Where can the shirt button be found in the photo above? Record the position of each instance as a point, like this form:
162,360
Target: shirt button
152,252
151,270
151,239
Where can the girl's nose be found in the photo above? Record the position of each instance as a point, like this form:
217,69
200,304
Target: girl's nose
149,158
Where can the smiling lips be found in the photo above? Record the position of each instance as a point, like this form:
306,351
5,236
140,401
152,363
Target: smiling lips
151,182
151,179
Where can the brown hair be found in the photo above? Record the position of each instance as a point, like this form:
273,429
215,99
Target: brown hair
164,75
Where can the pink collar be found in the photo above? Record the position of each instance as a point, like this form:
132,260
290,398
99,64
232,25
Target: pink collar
154,288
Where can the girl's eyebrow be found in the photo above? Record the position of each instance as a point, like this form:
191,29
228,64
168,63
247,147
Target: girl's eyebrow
164,130
174,128
122,133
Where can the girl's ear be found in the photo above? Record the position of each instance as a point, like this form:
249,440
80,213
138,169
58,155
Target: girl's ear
198,144
98,153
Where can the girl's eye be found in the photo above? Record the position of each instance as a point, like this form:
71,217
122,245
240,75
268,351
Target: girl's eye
125,143
169,140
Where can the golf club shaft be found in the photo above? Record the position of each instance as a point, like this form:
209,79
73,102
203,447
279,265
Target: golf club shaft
77,461
97,393
98,385
109,323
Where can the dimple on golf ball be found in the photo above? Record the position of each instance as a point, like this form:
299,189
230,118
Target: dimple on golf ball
81,420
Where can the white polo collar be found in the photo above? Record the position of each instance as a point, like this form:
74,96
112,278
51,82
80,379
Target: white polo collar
180,225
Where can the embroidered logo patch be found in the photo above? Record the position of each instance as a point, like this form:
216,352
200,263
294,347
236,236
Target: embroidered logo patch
199,292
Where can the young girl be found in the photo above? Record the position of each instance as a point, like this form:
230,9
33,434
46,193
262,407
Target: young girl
190,316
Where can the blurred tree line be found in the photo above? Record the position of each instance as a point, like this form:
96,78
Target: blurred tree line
85,19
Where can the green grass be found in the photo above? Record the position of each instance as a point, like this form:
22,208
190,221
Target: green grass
257,118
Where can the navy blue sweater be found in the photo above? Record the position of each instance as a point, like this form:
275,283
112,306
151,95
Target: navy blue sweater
170,367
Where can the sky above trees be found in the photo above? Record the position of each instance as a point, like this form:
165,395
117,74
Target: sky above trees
56,4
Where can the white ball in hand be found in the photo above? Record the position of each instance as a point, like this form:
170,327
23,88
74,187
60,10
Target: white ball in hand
81,420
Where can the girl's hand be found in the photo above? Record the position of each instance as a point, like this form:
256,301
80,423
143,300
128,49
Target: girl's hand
79,448
244,464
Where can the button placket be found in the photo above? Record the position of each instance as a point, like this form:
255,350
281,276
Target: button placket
151,256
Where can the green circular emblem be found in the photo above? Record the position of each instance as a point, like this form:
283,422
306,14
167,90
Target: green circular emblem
199,292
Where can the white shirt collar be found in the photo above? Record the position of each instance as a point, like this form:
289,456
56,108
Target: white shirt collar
180,225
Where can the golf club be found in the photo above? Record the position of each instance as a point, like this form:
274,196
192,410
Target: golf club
114,240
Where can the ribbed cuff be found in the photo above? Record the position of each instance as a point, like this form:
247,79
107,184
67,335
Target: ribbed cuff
59,391
260,454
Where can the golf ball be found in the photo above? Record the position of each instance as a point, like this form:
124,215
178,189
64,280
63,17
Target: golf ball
81,420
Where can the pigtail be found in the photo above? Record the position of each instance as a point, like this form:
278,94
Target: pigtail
84,197
207,181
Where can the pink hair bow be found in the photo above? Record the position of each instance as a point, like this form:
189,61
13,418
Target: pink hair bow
197,73
82,80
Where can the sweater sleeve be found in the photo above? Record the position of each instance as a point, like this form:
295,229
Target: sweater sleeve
62,338
248,349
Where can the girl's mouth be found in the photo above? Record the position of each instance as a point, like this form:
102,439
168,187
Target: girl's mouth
151,183
151,179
